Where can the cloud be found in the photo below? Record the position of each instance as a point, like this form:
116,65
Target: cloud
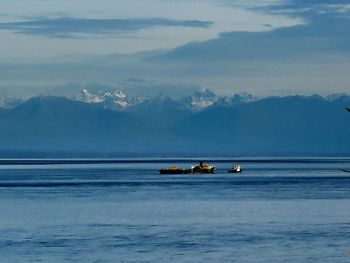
306,58
302,3
310,8
323,36
68,27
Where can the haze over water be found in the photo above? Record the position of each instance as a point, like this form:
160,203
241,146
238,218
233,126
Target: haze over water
290,210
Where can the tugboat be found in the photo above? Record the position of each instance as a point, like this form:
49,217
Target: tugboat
235,169
202,168
173,170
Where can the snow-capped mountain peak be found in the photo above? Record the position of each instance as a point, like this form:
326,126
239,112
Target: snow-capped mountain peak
115,100
116,94
200,99
87,97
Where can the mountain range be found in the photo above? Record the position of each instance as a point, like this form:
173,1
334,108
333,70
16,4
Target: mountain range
117,100
202,124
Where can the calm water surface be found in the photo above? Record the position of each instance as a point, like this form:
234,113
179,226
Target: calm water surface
289,210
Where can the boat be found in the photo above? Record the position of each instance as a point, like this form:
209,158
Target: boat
235,169
202,168
174,170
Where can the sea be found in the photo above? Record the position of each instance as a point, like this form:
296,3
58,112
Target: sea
123,210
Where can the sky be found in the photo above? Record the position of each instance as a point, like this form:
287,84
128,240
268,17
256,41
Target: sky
266,47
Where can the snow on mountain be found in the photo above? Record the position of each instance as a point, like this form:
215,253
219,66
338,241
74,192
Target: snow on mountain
87,97
235,99
115,100
200,99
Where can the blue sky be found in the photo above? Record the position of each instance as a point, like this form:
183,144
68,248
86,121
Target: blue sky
272,47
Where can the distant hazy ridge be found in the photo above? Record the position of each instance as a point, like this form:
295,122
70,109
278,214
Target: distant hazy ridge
290,125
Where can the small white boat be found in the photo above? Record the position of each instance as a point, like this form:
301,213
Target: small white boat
235,169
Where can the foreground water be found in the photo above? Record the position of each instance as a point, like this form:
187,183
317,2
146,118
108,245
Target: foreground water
289,210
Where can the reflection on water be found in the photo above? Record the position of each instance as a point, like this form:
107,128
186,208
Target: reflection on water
292,211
